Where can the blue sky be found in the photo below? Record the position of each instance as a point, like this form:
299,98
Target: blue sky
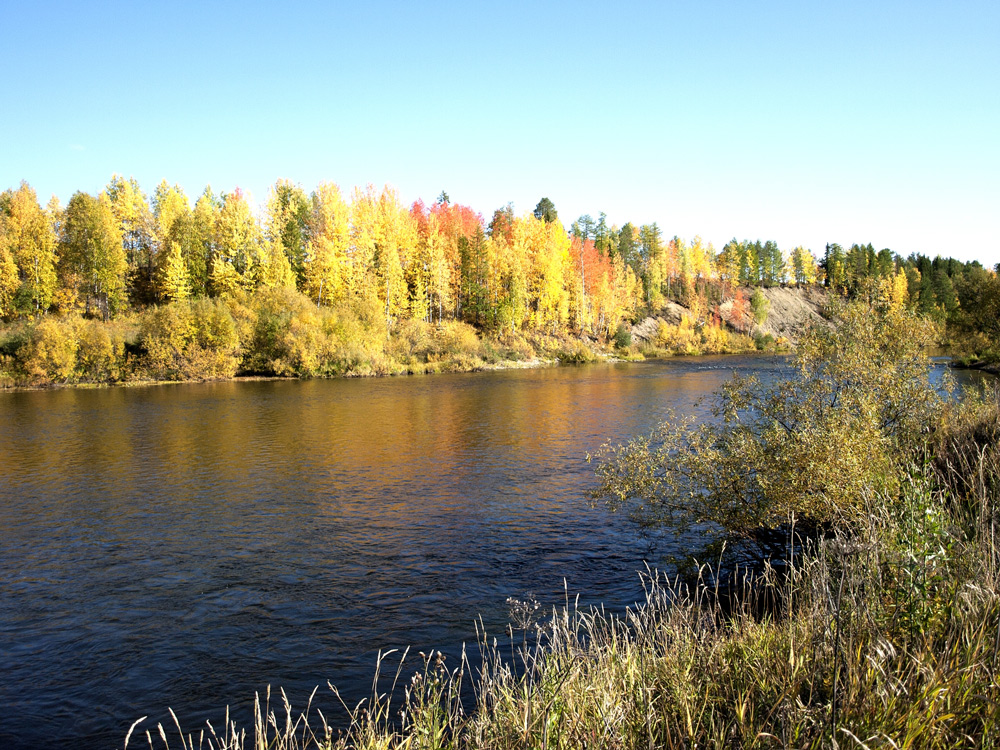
803,122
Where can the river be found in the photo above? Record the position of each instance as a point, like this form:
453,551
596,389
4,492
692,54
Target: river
188,545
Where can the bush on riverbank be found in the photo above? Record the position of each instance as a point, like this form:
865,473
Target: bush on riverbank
690,337
803,452
184,340
70,349
280,332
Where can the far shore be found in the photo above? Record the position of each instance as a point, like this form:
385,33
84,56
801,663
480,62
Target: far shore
448,367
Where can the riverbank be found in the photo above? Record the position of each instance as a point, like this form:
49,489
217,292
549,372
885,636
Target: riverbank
991,366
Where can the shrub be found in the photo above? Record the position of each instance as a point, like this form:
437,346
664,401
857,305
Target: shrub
49,353
623,336
289,336
189,340
304,347
511,346
809,448
358,340
760,305
576,352
214,349
412,341
164,334
100,357
764,342
453,337
682,338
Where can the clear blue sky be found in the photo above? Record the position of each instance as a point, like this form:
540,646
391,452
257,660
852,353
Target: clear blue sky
801,122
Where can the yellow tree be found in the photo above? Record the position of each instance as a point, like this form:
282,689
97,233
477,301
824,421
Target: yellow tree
327,272
288,223
8,278
695,266
439,272
239,247
30,240
699,260
202,254
396,238
175,225
274,271
803,266
364,213
137,228
549,264
170,205
174,283
893,289
506,282
92,257
628,291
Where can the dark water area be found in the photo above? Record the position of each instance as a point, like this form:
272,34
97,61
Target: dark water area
189,545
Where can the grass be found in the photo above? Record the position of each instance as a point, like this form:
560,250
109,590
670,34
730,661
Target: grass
887,637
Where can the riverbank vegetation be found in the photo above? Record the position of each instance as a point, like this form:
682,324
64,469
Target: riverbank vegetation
117,287
855,601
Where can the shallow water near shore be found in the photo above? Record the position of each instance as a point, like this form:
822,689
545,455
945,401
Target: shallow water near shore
188,545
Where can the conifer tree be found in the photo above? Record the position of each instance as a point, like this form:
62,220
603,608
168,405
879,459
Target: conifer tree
274,271
137,228
174,279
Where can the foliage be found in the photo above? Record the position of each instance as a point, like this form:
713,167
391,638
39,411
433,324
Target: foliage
8,278
91,255
27,239
760,305
48,355
883,634
174,277
576,352
623,335
690,337
136,228
100,357
189,341
546,211
809,447
514,278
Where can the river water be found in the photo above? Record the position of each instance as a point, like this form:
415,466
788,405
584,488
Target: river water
188,545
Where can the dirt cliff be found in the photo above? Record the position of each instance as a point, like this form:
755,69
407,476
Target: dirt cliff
792,311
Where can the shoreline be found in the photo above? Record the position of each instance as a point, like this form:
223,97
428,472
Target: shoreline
526,364
990,368
535,362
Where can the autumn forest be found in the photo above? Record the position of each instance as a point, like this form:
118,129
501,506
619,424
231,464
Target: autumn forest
119,286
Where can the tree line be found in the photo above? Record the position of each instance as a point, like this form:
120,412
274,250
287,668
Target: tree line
103,254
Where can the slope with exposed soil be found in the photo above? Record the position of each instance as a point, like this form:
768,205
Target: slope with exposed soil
792,311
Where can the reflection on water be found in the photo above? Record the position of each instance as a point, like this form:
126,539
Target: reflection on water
188,545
